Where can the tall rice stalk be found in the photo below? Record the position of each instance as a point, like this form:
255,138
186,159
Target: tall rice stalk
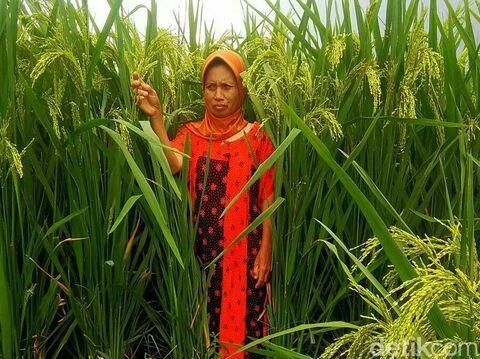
86,241
392,105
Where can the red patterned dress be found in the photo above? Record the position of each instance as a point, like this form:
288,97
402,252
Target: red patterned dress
235,308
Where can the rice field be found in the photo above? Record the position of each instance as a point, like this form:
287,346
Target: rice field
375,123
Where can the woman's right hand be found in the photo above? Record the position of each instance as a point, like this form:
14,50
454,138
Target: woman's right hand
146,98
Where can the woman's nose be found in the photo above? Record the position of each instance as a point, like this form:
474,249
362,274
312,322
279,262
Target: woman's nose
218,93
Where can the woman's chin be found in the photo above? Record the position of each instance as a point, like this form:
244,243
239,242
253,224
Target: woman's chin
221,112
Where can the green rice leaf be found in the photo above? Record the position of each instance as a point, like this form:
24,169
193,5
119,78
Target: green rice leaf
378,194
130,202
360,265
102,38
391,248
148,193
64,220
259,219
327,325
264,167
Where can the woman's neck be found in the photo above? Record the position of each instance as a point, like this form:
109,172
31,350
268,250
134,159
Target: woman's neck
236,136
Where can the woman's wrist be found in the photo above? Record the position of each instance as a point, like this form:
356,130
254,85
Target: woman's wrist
266,243
157,117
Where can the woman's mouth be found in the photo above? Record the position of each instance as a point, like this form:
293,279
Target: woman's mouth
219,107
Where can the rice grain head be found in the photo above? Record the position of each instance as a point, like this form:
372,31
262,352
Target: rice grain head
335,50
374,84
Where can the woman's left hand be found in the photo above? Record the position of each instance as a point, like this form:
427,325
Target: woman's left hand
261,267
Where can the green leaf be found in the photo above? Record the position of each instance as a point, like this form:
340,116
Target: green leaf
378,194
264,166
360,265
102,38
130,202
6,311
83,128
391,248
411,121
329,325
160,156
260,218
64,220
148,193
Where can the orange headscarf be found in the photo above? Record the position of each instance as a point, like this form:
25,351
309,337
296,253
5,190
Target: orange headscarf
222,128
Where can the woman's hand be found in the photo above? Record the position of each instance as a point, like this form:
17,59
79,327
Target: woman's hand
146,98
261,267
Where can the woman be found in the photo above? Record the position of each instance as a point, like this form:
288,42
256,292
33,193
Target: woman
237,292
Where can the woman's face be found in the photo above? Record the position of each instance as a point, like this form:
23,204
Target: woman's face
221,94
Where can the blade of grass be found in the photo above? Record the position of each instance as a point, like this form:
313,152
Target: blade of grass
102,38
263,167
148,193
126,207
259,219
392,250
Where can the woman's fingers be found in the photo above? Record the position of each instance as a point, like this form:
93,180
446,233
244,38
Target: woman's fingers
139,87
140,95
147,88
267,275
140,92
142,89
255,269
136,84
260,282
262,277
136,80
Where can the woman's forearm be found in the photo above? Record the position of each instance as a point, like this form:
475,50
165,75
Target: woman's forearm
267,231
